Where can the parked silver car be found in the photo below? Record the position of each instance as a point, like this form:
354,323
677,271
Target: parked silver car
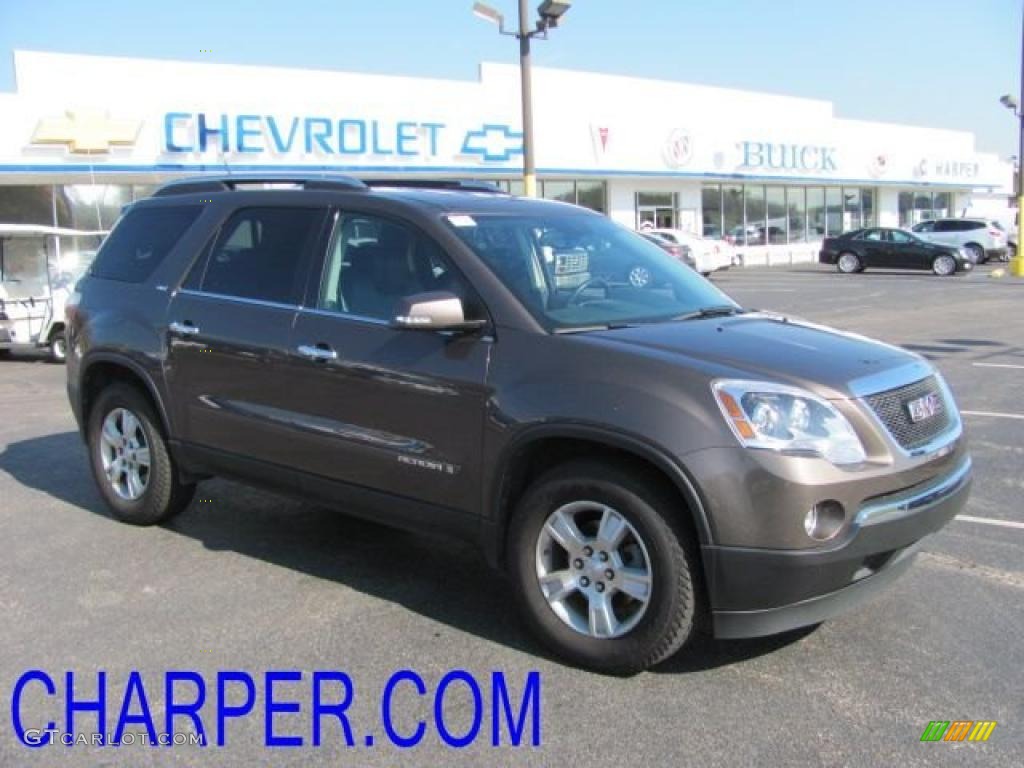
982,239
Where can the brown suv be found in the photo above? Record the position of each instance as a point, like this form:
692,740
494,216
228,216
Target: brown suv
642,461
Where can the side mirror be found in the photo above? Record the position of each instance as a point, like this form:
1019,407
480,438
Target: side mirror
434,311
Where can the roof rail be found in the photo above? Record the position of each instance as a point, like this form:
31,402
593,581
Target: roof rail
464,185
233,181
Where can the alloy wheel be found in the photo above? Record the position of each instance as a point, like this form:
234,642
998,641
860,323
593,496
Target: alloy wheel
944,265
848,262
124,452
639,277
593,569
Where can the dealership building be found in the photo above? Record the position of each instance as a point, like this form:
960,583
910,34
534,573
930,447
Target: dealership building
81,136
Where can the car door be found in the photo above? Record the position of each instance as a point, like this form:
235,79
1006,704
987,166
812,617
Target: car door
873,248
907,251
393,410
229,327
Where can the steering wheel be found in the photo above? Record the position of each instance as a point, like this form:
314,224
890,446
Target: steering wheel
590,283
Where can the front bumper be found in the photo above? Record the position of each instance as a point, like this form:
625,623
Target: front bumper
758,592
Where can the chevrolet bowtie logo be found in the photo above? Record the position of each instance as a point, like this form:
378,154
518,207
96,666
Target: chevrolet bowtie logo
493,143
86,132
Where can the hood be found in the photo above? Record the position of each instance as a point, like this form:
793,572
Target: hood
763,346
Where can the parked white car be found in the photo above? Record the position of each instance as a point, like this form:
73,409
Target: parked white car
708,255
38,270
983,239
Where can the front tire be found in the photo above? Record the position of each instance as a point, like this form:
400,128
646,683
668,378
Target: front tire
605,576
848,263
944,265
132,467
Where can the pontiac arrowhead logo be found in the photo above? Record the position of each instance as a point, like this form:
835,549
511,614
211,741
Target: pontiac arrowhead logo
600,134
86,132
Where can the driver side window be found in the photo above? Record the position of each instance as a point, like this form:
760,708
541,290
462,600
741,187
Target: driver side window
374,262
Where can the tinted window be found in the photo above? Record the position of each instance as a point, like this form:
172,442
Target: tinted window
872,234
926,226
140,241
374,262
261,253
969,225
902,238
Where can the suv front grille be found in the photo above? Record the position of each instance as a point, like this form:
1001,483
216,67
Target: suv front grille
892,408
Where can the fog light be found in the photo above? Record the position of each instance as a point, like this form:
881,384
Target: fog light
824,520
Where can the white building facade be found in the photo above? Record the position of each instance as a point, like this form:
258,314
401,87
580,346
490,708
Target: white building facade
84,135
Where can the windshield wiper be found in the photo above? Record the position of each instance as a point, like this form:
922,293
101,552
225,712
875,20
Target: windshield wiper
721,310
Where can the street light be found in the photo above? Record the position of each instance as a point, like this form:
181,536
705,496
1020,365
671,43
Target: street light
1013,105
550,13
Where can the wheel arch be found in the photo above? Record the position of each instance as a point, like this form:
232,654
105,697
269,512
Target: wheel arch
546,446
101,370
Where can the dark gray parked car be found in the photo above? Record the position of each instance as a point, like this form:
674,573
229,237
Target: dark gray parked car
643,461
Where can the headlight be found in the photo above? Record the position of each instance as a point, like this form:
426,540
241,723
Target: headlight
788,420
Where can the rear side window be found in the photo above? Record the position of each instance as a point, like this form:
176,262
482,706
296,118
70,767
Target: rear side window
260,253
945,226
141,241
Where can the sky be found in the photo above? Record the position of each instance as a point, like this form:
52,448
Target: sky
935,63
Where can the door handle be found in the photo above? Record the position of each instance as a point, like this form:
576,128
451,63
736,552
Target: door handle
185,329
317,352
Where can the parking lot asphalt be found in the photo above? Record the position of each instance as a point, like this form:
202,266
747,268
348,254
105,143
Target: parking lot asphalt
245,580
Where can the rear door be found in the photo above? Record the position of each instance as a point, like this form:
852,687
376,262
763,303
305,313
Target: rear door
874,248
229,327
393,410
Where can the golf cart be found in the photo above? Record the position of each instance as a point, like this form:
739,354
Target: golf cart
39,267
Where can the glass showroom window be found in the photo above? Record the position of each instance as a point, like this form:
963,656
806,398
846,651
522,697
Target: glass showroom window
589,194
815,212
775,210
851,209
754,231
732,212
563,191
775,215
797,213
867,204
916,207
91,206
833,211
26,205
711,211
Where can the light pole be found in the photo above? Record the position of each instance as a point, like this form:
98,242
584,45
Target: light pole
550,13
1015,106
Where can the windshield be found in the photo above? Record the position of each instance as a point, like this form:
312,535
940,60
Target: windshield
575,271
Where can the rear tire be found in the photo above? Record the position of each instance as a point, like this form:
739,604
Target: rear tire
976,253
132,467
848,263
582,613
58,348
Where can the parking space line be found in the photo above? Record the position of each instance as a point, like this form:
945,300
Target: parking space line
998,365
994,415
990,521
